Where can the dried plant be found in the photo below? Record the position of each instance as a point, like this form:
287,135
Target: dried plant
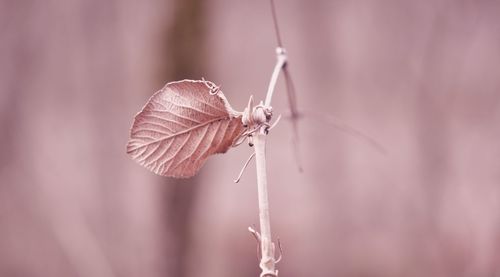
181,125
187,121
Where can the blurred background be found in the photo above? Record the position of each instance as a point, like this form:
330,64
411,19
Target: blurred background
422,78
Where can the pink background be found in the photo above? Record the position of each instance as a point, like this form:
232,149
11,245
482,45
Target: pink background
422,78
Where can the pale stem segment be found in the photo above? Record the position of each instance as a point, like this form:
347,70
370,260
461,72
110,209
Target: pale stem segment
280,63
268,260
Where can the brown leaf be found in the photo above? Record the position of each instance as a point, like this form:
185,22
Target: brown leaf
180,126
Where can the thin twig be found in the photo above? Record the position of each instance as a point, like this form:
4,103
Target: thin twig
282,58
294,113
268,260
290,88
331,120
261,117
275,21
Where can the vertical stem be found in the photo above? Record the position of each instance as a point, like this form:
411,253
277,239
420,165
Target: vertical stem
267,262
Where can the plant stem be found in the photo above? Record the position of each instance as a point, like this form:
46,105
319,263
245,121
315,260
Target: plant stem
267,262
280,63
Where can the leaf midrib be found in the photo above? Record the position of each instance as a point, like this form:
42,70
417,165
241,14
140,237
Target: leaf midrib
184,131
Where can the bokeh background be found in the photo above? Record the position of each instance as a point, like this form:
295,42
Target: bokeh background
422,78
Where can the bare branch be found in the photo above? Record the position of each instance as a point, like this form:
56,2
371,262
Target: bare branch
294,113
280,63
337,123
275,21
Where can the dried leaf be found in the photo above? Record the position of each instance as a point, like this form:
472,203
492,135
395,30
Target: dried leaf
180,126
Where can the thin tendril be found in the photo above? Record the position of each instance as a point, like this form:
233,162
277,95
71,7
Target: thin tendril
244,167
213,88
